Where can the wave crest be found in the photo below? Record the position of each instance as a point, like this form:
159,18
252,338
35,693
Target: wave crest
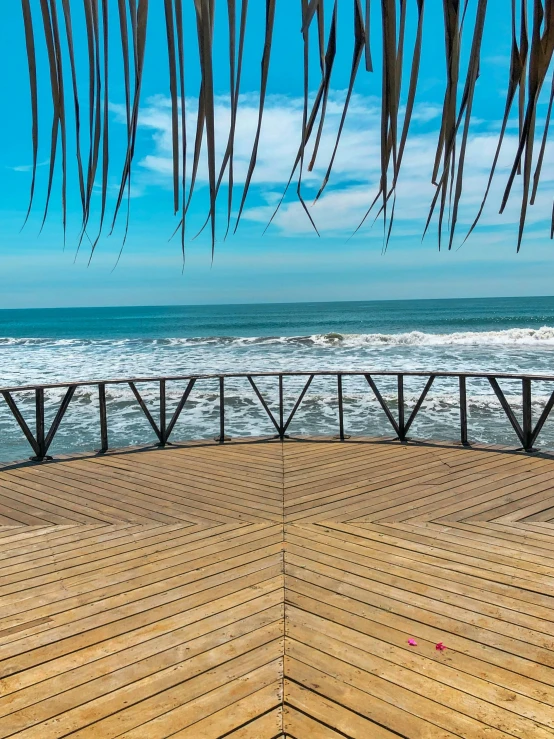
514,336
524,336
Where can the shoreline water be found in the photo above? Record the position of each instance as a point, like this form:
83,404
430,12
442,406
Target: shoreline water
490,335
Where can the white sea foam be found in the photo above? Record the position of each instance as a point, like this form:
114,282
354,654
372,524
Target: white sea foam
47,360
513,336
519,336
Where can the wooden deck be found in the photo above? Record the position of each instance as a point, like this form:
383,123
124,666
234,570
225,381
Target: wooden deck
269,590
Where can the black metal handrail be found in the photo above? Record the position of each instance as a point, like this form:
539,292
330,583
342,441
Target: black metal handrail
41,440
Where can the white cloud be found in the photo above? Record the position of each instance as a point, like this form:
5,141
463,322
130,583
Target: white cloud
28,167
356,171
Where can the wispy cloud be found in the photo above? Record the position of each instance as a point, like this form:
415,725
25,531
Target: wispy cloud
356,171
27,167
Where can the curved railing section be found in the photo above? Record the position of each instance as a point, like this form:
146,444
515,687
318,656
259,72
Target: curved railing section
163,419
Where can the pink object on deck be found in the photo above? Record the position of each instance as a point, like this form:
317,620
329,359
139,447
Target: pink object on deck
440,646
412,642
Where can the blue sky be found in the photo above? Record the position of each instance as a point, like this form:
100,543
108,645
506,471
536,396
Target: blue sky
289,263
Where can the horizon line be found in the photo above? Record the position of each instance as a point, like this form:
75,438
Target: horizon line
269,302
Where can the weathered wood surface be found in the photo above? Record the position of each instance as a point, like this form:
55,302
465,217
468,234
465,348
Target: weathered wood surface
270,589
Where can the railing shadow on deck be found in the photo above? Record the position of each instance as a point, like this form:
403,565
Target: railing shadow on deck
41,439
359,441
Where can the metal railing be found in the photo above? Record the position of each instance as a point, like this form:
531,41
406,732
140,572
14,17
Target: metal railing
41,440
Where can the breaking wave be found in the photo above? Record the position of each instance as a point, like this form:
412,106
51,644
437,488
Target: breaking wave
512,336
34,360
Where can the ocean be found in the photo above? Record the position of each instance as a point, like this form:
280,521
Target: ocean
494,335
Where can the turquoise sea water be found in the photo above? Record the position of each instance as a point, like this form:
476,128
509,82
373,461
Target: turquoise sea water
503,335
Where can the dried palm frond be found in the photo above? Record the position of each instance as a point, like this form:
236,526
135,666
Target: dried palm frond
269,24
518,58
170,30
235,76
530,63
306,38
205,11
391,145
139,20
71,52
540,55
359,46
54,83
31,60
453,166
320,100
447,137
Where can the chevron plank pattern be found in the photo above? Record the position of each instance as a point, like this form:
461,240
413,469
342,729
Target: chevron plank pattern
268,591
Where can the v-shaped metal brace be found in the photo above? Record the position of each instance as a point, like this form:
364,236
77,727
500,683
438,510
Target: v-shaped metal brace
507,408
419,403
282,426
400,427
40,442
265,406
542,420
525,433
180,406
384,405
162,431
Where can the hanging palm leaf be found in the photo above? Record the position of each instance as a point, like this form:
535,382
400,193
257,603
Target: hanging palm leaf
529,68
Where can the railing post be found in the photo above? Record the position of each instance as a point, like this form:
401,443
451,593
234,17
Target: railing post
401,422
39,412
341,410
103,418
527,414
281,408
463,411
163,432
221,410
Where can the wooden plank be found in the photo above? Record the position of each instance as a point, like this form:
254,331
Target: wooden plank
143,584
322,710
490,559
493,647
75,668
267,726
483,545
150,475
385,493
426,676
515,540
453,558
465,613
98,498
399,707
241,630
429,579
455,490
58,642
210,467
130,579
187,494
299,724
424,560
150,500
173,710
110,563
100,582
393,627
352,710
82,537
224,721
462,491
165,593
68,502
